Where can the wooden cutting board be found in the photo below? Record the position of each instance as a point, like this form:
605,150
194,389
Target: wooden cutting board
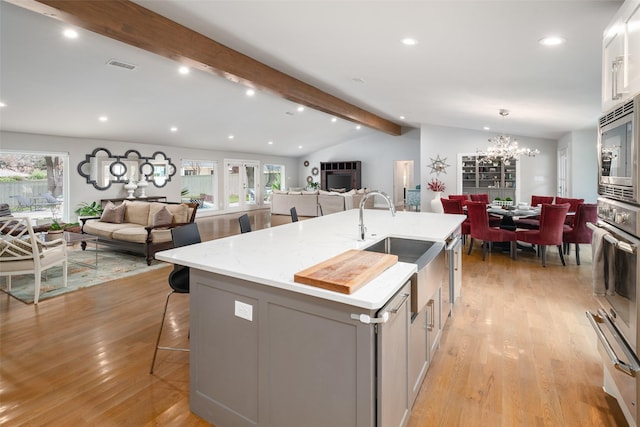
346,272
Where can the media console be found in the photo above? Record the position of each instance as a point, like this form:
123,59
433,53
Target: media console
345,175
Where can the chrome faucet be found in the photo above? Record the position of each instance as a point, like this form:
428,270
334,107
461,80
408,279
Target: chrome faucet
386,197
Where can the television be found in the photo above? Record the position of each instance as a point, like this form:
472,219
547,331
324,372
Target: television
337,180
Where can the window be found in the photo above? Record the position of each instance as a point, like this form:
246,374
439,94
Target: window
273,177
34,184
200,182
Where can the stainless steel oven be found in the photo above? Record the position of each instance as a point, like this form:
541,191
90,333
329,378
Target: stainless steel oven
619,149
615,278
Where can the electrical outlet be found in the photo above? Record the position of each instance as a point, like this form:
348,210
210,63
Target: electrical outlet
244,311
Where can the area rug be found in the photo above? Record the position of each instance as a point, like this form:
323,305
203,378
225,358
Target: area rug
111,265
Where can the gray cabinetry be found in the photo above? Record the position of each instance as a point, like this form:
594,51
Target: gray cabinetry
418,353
263,356
496,178
392,354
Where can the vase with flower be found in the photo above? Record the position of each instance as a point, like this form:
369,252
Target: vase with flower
437,187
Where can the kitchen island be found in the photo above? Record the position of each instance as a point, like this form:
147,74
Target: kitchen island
271,352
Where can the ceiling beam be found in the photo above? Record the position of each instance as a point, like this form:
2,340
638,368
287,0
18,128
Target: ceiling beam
137,26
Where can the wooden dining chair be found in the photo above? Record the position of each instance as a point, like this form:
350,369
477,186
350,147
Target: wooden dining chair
550,232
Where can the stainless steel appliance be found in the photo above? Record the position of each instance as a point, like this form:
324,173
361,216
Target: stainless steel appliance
618,148
616,322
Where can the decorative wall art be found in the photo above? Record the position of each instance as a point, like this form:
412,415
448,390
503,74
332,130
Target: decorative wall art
101,168
438,165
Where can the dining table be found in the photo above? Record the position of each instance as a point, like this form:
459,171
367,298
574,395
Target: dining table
510,214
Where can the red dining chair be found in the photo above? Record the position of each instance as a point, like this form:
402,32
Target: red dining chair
541,200
481,230
580,233
572,208
550,232
464,198
454,206
480,198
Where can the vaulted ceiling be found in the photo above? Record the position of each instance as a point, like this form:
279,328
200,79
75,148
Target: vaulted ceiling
471,59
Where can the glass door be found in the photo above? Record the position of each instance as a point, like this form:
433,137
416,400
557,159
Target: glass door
242,182
200,183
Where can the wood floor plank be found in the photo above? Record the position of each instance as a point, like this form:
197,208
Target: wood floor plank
518,350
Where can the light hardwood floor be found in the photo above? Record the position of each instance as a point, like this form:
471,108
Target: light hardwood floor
518,351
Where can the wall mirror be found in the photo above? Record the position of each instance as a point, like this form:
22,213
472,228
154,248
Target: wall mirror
101,168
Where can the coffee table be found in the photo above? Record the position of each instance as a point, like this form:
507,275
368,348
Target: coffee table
72,238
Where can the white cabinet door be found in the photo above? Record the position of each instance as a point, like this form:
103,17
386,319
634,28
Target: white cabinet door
632,51
613,65
621,56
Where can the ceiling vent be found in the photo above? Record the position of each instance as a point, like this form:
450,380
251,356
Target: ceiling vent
120,64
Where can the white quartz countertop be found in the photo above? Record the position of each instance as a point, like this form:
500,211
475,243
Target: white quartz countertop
272,256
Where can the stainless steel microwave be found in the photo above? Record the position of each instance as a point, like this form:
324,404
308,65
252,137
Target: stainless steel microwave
618,152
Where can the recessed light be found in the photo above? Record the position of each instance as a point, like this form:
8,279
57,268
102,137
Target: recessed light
2,104
250,92
70,33
401,117
300,109
270,142
552,41
231,136
409,41
300,147
333,120
358,127
103,118
183,70
486,128
173,129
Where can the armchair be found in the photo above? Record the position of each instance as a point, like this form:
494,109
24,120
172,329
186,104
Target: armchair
21,252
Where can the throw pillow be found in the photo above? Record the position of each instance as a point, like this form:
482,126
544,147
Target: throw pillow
17,247
113,213
338,190
162,217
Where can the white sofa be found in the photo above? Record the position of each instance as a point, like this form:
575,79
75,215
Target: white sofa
315,203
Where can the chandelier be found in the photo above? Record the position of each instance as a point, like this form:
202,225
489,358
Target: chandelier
504,149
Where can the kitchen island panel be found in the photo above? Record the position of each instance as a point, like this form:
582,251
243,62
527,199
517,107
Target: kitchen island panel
299,361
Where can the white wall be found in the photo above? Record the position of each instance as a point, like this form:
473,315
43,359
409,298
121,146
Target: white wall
377,152
80,191
538,174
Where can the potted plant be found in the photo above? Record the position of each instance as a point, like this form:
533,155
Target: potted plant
55,227
73,227
437,187
89,209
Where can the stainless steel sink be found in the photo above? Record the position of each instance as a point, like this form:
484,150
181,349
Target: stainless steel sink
429,260
407,250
